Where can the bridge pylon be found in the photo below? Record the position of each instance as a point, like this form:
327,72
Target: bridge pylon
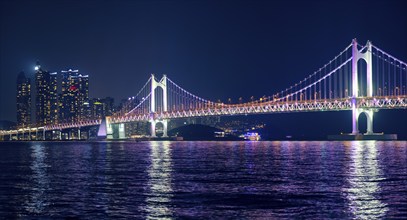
162,83
356,111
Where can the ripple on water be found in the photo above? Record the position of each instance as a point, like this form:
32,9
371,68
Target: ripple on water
366,179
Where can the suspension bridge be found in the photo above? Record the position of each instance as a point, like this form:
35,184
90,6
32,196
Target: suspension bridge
361,78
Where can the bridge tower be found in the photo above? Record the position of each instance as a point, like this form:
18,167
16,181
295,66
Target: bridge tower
367,57
163,85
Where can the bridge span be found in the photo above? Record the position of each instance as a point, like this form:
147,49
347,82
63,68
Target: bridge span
342,84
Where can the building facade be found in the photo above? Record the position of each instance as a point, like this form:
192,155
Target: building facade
54,98
46,97
74,104
23,100
100,108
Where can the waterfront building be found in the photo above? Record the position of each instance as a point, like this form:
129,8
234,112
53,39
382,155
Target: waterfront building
109,106
53,93
97,109
46,96
100,108
23,100
74,96
81,90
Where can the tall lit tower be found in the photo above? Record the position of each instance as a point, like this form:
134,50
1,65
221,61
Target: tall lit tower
75,96
67,106
81,85
46,97
23,100
53,98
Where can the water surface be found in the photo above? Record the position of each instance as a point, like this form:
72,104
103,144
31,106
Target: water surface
359,179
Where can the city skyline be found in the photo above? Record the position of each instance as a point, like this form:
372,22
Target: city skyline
238,52
60,97
203,109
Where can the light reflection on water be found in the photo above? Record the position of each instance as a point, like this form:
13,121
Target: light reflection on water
166,180
37,202
364,178
159,182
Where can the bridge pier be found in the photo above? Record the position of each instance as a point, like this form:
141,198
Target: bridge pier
152,128
112,131
109,128
165,127
153,125
122,131
355,120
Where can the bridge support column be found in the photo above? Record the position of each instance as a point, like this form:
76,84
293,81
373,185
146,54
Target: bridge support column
355,116
369,119
79,133
369,115
152,128
122,131
109,128
153,125
165,125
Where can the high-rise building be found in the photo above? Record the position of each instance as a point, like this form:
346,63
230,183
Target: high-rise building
100,108
109,106
46,96
67,104
23,100
97,110
75,96
53,94
81,82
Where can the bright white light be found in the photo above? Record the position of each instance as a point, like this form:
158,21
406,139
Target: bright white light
36,68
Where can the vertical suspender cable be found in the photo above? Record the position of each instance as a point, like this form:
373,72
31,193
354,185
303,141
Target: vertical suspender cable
330,89
383,90
325,82
388,76
401,80
335,80
377,73
395,78
340,80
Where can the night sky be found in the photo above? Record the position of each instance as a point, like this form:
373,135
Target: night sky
214,49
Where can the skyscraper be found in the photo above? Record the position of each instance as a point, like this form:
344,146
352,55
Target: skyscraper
81,84
75,96
67,104
23,100
100,108
46,97
53,94
109,106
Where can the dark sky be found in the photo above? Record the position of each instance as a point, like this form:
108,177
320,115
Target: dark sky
215,49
